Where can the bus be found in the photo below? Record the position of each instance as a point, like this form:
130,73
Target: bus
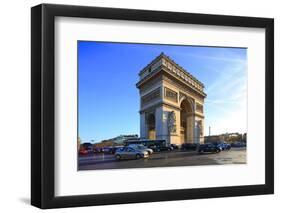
155,145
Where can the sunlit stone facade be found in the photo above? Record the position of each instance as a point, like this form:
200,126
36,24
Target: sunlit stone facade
171,103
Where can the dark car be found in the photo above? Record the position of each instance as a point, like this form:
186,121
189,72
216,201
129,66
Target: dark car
87,146
210,148
97,150
238,144
108,150
114,149
189,146
226,146
159,148
174,146
223,145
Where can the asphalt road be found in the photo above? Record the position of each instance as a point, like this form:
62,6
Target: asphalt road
163,159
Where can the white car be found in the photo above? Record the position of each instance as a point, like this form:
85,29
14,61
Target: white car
141,147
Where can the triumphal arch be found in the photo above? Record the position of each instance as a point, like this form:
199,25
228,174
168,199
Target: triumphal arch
171,103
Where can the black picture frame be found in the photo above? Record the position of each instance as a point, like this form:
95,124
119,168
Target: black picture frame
43,102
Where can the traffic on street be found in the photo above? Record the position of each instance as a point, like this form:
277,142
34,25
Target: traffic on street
140,156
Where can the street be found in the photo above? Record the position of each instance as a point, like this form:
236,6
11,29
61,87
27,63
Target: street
164,159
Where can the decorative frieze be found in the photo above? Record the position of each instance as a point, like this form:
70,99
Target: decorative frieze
197,95
147,86
163,62
153,95
171,94
179,72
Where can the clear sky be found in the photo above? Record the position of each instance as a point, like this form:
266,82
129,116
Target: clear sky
108,102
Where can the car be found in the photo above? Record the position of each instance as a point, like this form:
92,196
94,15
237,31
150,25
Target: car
189,146
110,150
222,145
209,148
130,153
97,150
226,146
107,150
83,152
239,144
159,148
174,146
141,147
114,149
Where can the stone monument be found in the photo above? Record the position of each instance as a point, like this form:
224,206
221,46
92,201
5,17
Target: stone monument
171,103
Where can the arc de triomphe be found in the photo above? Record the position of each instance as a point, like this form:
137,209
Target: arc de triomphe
171,103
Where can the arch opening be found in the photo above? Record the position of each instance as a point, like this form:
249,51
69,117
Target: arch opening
186,110
151,133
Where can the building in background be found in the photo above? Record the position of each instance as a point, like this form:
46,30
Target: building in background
121,138
226,137
116,141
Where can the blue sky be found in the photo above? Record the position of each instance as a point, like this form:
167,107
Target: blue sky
108,101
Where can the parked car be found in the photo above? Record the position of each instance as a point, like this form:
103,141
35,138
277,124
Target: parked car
189,146
130,153
174,146
209,147
141,147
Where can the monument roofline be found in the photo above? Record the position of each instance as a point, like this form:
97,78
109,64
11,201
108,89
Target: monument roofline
168,59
